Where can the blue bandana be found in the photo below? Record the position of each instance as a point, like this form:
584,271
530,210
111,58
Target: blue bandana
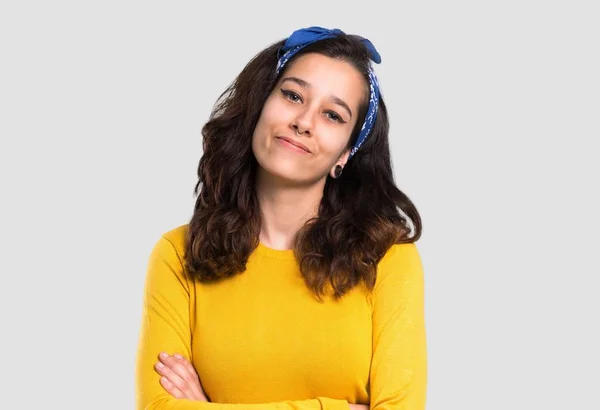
303,37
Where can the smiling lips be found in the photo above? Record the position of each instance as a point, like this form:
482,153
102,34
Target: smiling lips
296,146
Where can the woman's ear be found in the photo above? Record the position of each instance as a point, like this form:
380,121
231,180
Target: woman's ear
337,169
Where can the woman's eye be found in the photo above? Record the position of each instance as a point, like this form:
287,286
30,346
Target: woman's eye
333,116
292,96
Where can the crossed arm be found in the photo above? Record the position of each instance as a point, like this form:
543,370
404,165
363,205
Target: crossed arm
180,379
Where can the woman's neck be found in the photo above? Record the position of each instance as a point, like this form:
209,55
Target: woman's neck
284,209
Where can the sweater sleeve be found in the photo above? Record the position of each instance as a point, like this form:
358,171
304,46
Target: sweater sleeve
165,326
398,378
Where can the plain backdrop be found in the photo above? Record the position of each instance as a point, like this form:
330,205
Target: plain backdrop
495,121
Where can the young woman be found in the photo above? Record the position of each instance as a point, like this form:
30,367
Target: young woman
297,283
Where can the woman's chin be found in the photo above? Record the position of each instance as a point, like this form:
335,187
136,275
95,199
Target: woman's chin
288,175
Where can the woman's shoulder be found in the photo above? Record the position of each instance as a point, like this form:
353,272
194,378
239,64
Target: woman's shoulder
177,236
173,239
401,262
401,252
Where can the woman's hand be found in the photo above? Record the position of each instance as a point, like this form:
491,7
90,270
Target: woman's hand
179,377
359,407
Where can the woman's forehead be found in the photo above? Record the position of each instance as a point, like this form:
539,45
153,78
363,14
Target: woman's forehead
328,75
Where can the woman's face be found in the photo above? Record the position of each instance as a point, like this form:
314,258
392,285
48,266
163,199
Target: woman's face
315,106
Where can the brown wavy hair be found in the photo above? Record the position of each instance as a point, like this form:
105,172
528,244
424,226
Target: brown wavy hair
361,214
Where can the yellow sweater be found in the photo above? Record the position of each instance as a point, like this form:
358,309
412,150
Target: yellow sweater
260,340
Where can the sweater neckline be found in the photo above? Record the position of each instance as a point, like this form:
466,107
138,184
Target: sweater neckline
285,254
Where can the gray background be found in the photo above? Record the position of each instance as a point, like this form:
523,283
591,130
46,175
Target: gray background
494,124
